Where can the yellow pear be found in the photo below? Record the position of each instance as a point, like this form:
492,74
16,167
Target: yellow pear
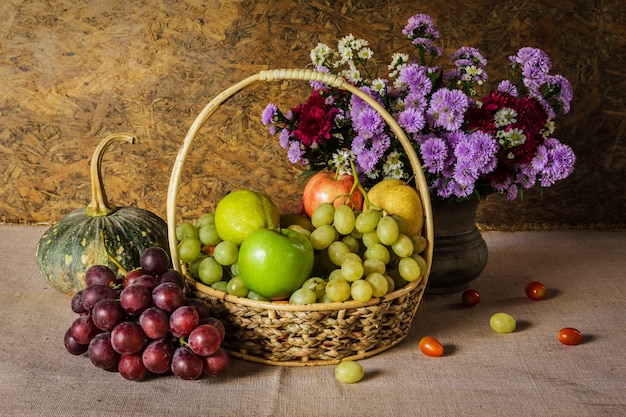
397,197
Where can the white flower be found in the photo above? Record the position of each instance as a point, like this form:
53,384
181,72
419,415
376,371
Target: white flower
320,54
505,116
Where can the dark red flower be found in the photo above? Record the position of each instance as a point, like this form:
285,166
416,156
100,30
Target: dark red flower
315,120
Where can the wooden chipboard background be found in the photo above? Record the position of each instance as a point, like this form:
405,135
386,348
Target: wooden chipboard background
73,71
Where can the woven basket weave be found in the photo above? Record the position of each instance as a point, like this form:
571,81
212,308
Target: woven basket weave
313,334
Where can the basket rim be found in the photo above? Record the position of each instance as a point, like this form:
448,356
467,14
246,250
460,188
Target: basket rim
303,75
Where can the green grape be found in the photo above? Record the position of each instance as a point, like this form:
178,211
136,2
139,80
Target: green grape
189,249
403,246
220,286
351,270
387,230
367,220
356,234
336,252
338,289
391,284
378,251
353,256
419,243
352,242
302,296
334,274
402,227
344,220
299,229
409,269
208,235
502,323
398,281
237,287
185,230
373,265
323,236
349,372
324,214
370,239
207,218
256,297
420,261
210,271
361,291
317,285
226,253
234,269
193,265
379,284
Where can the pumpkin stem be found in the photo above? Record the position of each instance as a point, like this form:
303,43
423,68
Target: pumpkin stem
99,205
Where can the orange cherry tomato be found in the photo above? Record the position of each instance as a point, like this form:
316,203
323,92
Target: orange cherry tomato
570,336
470,297
431,346
535,291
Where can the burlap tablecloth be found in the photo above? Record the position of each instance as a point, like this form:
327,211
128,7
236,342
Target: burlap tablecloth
482,373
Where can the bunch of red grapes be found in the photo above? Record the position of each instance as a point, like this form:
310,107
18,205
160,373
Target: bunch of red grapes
143,324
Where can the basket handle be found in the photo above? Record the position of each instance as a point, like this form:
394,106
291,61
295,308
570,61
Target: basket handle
292,74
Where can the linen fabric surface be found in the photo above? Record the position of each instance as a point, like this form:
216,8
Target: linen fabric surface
482,373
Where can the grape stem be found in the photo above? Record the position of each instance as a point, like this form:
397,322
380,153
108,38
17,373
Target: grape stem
357,184
122,270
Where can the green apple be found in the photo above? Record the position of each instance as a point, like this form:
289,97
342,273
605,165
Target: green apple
275,263
241,212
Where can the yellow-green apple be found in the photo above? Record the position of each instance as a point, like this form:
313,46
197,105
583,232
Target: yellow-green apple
241,212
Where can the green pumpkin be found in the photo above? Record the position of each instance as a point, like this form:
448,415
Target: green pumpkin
98,235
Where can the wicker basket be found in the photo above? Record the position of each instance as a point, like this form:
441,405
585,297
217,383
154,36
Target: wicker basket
314,334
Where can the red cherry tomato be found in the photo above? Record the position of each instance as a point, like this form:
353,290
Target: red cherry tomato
470,297
570,336
535,290
431,346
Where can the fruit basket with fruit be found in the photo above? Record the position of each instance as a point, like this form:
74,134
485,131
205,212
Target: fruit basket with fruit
312,333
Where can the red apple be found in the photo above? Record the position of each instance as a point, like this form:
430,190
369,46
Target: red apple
325,187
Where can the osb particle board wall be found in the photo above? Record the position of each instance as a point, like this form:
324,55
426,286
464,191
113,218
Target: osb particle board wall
73,71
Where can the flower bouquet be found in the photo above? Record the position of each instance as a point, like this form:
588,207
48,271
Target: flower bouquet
472,140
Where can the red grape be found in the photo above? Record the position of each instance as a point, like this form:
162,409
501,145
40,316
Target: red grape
127,338
168,296
72,345
91,295
99,275
172,275
133,275
102,354
154,260
83,330
155,323
186,364
217,364
157,356
134,299
77,303
217,323
183,320
205,340
107,314
131,367
148,281
203,308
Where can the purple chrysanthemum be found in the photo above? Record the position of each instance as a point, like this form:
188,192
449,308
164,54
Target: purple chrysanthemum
269,113
434,154
411,120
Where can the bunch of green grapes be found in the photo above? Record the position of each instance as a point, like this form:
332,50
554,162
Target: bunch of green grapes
360,255
209,259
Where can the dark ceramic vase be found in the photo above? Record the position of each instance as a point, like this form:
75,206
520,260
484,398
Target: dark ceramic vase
459,252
